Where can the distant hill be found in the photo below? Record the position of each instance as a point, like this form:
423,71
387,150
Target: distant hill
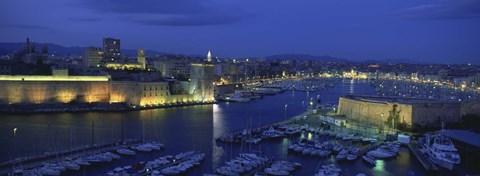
395,61
7,48
326,58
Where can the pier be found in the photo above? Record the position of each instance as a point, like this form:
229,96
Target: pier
370,147
427,164
35,161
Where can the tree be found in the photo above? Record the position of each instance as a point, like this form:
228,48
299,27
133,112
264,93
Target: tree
393,119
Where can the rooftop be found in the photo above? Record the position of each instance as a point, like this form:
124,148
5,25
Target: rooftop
377,99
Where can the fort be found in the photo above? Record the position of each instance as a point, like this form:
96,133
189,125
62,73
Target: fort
62,88
413,112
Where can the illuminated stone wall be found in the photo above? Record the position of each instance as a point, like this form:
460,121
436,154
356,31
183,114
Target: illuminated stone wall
65,89
371,112
148,94
413,114
53,91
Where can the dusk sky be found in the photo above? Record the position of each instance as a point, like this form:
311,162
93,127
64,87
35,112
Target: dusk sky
446,31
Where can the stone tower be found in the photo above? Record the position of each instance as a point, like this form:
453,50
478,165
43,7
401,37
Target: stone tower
141,58
201,81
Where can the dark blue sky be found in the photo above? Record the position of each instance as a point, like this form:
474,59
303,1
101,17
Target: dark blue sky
425,30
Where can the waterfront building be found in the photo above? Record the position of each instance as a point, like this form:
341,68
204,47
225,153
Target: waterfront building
413,112
173,68
92,57
111,49
63,88
30,55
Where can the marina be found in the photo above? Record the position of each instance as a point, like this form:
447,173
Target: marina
230,119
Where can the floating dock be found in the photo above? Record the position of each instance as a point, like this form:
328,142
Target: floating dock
36,161
427,164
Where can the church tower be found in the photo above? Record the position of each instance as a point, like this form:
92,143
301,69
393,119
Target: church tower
141,58
209,56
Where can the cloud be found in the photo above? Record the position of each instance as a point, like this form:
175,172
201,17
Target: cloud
85,19
167,12
187,20
24,26
443,10
147,6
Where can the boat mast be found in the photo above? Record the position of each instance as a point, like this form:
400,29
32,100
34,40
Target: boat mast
93,134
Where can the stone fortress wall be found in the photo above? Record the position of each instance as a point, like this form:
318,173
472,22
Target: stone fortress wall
413,112
90,89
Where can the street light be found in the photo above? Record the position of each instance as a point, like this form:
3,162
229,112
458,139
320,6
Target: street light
14,134
382,120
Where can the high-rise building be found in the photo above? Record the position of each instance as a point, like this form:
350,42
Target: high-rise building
111,49
141,58
92,56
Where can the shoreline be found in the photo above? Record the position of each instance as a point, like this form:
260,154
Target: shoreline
85,107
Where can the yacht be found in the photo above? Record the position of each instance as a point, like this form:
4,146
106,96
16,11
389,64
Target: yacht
272,133
441,151
369,160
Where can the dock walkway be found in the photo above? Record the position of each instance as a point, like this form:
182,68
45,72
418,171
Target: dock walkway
427,164
35,161
370,147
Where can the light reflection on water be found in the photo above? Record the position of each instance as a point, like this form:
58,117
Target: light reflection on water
218,153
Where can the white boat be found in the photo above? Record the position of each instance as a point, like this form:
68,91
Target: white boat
183,155
369,160
70,165
154,145
293,130
81,162
124,151
272,133
253,140
328,170
299,149
48,171
141,148
275,171
307,150
379,153
324,153
111,155
351,157
441,151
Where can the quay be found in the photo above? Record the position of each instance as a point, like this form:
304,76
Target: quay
233,137
36,161
175,162
368,148
427,164
258,169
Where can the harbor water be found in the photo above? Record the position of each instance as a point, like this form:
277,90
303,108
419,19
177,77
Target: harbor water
188,128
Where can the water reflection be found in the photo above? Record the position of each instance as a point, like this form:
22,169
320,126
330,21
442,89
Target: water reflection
218,153
352,86
379,168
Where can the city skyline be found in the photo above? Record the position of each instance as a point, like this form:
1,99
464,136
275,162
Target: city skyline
426,31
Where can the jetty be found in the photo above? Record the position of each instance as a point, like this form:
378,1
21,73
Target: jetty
427,164
30,162
368,148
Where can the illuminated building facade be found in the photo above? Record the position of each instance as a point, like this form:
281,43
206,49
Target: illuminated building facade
62,88
111,49
92,57
201,81
413,112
